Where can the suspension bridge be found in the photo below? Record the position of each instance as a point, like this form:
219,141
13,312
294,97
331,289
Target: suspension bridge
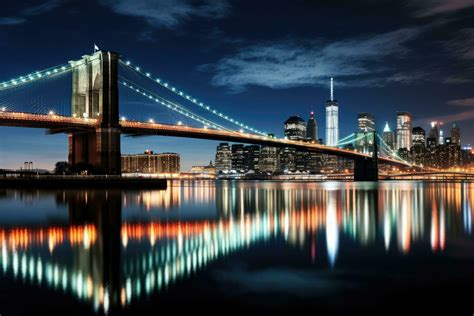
94,122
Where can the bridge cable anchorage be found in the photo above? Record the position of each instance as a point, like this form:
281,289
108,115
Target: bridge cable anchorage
35,76
176,107
189,98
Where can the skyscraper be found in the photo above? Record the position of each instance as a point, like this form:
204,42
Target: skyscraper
365,135
268,159
295,128
441,135
332,119
251,157
388,136
312,129
365,123
455,134
223,158
238,158
434,132
418,136
403,130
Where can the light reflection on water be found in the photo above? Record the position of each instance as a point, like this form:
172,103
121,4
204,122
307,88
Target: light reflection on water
112,248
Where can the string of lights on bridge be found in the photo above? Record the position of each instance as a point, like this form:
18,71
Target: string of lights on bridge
171,105
35,76
189,98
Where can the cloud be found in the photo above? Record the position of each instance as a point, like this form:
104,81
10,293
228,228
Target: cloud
12,20
462,45
169,13
290,63
456,117
42,8
425,8
461,102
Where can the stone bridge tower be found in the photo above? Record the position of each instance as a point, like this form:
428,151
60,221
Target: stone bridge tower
95,96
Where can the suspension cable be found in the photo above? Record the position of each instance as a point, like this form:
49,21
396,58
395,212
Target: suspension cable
189,98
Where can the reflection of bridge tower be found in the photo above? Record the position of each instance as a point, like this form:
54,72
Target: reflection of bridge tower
95,95
366,169
103,260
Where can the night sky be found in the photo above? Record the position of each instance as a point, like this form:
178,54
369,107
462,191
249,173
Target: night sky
258,61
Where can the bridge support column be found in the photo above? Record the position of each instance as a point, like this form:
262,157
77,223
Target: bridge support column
366,169
95,96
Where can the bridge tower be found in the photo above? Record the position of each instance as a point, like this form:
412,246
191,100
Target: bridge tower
366,169
95,96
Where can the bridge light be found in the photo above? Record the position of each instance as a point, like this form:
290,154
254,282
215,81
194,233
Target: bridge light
241,130
205,126
51,113
85,115
180,123
137,68
63,68
151,121
127,63
123,118
4,109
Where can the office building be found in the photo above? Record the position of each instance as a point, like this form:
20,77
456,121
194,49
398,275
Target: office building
404,120
268,159
455,134
312,129
434,132
332,119
223,161
388,136
251,157
238,158
295,128
418,136
151,163
365,133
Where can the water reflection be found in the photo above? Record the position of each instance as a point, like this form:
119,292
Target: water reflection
111,248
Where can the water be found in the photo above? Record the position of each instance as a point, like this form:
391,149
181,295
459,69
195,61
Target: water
326,247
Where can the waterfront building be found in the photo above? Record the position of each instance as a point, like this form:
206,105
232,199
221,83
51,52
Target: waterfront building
295,128
388,136
332,119
238,158
223,161
251,157
268,159
312,129
404,120
151,163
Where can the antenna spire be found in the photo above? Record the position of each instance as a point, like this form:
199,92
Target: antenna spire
332,89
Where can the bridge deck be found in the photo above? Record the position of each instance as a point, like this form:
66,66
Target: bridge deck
134,128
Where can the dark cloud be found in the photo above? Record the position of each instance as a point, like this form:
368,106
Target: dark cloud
42,8
169,13
290,63
425,8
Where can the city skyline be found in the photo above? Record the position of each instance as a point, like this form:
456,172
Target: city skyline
208,73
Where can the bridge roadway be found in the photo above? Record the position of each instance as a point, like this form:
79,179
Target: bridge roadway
57,124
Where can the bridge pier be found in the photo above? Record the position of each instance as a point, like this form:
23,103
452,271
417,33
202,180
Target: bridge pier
95,95
367,169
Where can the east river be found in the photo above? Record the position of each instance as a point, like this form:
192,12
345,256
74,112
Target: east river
229,246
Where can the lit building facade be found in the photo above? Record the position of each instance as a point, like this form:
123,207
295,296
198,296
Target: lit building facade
151,163
238,159
388,136
365,133
223,161
404,121
418,136
268,159
251,157
332,119
312,129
